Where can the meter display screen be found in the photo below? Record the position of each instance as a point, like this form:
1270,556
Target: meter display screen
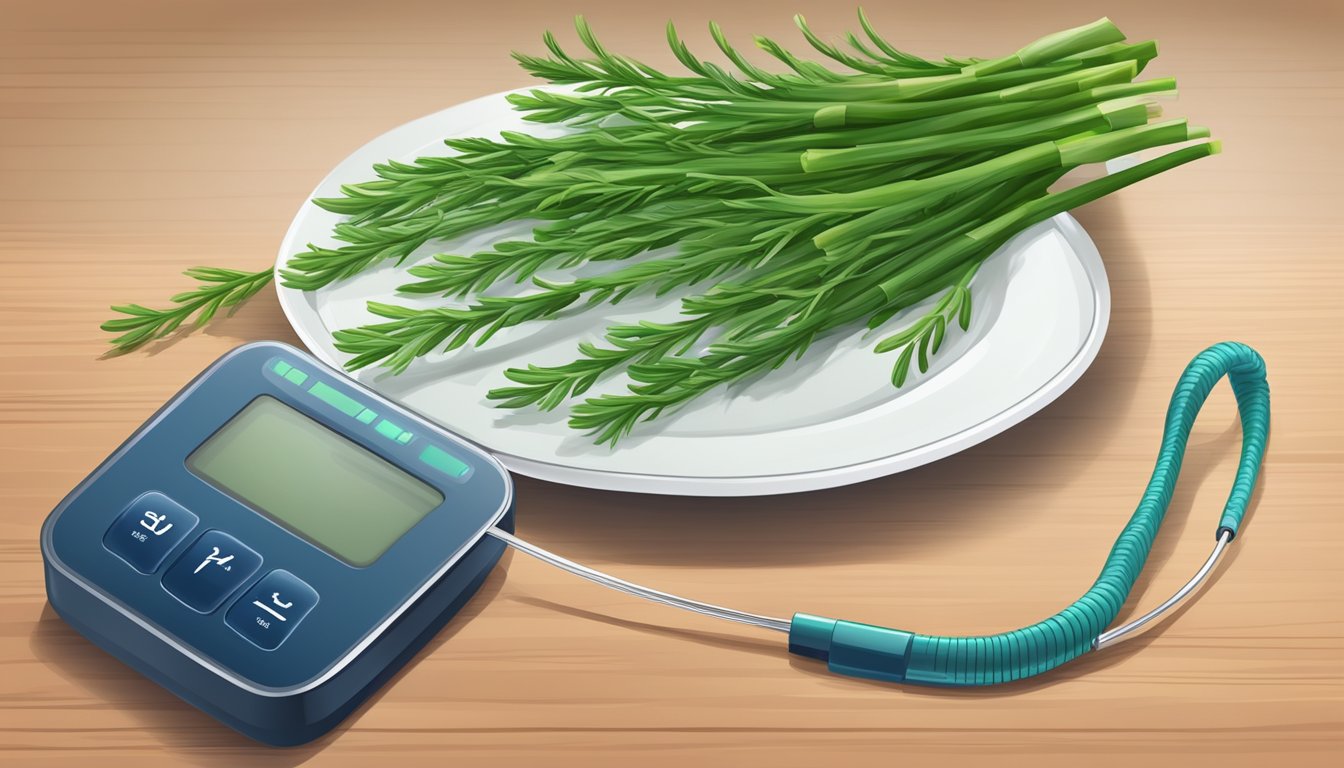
307,477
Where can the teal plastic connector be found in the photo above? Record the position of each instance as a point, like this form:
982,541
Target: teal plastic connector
850,648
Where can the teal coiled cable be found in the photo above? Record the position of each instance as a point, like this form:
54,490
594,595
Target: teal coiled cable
888,654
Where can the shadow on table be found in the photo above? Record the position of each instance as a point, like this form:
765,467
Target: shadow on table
191,736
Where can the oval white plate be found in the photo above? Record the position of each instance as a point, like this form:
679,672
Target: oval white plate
1041,308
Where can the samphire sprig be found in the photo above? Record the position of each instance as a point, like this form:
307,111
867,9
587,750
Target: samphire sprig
859,183
219,288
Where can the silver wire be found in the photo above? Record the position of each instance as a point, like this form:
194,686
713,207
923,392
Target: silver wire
621,585
1108,638
1113,636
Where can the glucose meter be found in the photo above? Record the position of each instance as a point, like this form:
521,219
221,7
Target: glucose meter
275,542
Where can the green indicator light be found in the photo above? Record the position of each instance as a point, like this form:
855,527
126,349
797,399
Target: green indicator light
405,438
388,429
444,461
336,398
366,416
281,367
296,376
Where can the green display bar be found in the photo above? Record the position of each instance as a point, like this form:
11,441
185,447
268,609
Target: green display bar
388,429
281,367
444,461
337,399
296,376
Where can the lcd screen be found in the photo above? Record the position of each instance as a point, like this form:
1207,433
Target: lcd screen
334,493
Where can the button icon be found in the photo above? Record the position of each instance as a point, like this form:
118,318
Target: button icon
156,523
217,559
275,598
147,530
268,612
210,570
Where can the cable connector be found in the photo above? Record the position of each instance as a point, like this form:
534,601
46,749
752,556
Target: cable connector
850,648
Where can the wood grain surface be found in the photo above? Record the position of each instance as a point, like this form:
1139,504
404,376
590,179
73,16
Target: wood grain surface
140,138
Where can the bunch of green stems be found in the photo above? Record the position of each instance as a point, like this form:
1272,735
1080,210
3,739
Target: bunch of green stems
803,203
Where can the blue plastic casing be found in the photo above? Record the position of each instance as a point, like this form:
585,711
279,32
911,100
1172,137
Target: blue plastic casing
361,623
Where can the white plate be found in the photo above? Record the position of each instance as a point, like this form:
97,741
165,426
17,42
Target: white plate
1041,308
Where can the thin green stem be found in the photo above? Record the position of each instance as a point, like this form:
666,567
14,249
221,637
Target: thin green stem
219,289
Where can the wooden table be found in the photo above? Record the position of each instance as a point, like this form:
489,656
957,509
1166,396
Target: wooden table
141,138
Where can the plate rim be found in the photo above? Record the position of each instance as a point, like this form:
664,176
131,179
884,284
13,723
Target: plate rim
1078,241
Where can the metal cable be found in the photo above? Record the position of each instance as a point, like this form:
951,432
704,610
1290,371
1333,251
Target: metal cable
621,585
1113,636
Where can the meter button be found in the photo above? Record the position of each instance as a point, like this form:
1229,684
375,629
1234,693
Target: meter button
269,611
147,530
210,570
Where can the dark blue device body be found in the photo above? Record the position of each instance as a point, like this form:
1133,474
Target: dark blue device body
227,607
